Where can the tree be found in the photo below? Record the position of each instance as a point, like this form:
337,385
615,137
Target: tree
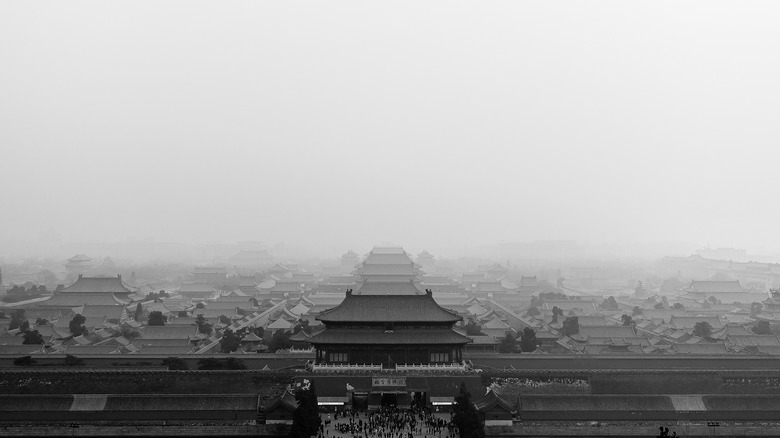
139,311
678,306
175,363
472,329
17,319
556,311
532,311
129,332
156,318
762,328
636,311
224,320
76,325
200,305
610,304
571,325
306,418
229,342
73,361
303,324
465,415
203,326
32,337
528,341
702,329
41,321
280,341
659,306
714,300
627,320
507,344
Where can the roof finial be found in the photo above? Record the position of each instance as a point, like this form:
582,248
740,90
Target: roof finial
349,292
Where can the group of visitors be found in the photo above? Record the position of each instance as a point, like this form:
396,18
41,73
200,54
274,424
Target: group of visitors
389,422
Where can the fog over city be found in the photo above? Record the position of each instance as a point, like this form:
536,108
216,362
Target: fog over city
351,219
444,125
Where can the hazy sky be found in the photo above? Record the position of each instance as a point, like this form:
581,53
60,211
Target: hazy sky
421,123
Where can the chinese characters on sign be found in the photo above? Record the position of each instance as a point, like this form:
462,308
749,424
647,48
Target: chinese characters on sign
388,381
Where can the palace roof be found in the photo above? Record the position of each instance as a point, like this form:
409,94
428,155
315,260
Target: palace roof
168,332
715,286
80,258
389,308
80,299
396,337
98,285
195,287
382,288
492,400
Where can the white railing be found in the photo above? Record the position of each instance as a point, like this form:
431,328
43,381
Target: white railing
431,367
345,367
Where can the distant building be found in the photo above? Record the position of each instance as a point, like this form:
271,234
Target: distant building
79,264
97,291
214,275
725,291
349,261
388,271
427,262
251,258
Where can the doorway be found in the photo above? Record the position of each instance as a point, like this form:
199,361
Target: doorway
389,399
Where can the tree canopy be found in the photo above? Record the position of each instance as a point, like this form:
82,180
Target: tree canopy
76,325
702,329
306,418
528,340
466,416
762,328
229,342
507,344
156,318
32,337
571,325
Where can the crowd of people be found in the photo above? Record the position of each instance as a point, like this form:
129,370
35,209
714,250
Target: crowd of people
388,422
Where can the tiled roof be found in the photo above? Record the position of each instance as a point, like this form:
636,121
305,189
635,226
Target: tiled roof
282,324
597,320
169,332
109,312
286,401
388,269
688,322
491,400
98,285
397,337
746,340
195,286
80,299
380,288
377,308
495,323
607,331
715,286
